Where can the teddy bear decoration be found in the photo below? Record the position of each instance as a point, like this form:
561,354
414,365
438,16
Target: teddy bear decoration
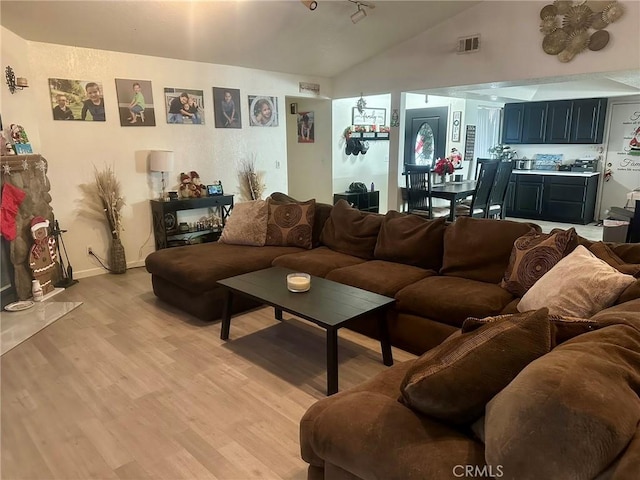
191,186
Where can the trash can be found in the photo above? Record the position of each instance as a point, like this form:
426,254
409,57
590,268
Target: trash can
615,230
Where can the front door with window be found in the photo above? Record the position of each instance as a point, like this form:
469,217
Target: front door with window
425,135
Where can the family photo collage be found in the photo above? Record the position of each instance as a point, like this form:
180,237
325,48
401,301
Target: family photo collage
84,100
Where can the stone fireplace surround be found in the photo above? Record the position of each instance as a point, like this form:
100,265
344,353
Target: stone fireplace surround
28,173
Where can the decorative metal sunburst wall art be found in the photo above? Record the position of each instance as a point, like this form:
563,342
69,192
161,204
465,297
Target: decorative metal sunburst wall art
570,28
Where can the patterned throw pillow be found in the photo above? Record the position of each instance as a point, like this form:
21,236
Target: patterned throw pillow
565,327
291,224
533,255
454,381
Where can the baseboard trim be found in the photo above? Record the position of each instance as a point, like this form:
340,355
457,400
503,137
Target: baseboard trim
92,272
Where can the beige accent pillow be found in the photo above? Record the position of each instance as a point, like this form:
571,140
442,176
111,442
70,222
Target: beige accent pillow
247,224
580,285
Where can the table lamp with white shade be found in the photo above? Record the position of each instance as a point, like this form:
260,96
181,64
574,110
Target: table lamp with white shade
161,161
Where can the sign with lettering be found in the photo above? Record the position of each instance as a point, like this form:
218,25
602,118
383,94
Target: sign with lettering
469,143
369,116
309,87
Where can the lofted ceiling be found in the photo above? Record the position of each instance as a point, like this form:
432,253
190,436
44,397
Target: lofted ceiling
273,35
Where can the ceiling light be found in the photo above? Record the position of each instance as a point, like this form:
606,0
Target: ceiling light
359,15
311,5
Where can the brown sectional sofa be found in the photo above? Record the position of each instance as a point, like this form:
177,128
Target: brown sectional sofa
440,274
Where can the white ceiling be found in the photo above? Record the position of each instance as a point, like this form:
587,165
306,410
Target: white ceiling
273,35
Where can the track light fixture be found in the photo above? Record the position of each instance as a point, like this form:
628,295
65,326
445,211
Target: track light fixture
361,12
311,5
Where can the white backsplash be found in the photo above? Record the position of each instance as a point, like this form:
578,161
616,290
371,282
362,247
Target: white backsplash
569,152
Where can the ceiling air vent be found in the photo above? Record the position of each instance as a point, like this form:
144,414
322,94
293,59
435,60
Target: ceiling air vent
469,44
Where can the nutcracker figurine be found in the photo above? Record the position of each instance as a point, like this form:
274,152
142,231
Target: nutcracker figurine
42,257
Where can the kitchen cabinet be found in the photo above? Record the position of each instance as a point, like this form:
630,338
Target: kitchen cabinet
166,228
512,123
588,120
557,122
534,122
553,197
366,201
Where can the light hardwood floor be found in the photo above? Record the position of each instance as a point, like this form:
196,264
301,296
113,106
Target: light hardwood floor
126,387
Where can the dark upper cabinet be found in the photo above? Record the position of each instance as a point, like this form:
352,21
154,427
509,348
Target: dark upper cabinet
512,123
564,121
588,120
559,116
534,122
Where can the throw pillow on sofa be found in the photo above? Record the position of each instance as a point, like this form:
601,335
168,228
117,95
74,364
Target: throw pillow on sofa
412,240
351,231
565,328
290,224
579,285
247,224
454,381
533,255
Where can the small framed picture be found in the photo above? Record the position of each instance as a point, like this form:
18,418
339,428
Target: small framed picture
215,189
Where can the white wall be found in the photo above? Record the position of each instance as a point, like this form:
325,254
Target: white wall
309,169
73,148
370,167
510,50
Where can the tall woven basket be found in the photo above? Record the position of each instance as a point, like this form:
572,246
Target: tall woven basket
117,261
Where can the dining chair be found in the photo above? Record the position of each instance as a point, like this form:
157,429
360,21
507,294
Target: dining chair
498,193
418,188
480,199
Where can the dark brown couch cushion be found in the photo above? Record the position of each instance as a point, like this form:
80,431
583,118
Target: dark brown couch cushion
196,268
630,293
291,224
571,412
351,231
318,261
385,278
533,255
411,240
479,249
451,299
604,252
454,381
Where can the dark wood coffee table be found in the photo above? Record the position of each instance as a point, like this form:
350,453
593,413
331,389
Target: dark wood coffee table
328,304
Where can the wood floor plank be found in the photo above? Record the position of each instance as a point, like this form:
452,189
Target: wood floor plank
126,387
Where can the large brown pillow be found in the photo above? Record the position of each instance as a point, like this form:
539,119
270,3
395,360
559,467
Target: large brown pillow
291,224
565,328
455,380
411,240
603,252
479,248
321,215
580,285
533,255
351,231
247,224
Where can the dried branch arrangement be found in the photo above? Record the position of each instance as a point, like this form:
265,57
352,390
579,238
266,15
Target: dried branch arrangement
109,193
251,182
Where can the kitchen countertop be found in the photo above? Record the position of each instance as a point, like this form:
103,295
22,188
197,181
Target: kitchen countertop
555,172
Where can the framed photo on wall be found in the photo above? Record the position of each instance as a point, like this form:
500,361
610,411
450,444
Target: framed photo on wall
76,100
135,103
226,107
306,128
263,111
184,106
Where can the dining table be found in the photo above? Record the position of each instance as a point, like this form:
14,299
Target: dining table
454,192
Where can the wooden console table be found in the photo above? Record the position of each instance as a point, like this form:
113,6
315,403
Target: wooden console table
165,218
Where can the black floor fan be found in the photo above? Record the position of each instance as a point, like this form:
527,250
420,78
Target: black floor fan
66,280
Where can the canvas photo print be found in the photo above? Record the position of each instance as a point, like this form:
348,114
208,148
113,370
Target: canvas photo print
184,106
226,107
135,103
263,111
305,127
77,100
